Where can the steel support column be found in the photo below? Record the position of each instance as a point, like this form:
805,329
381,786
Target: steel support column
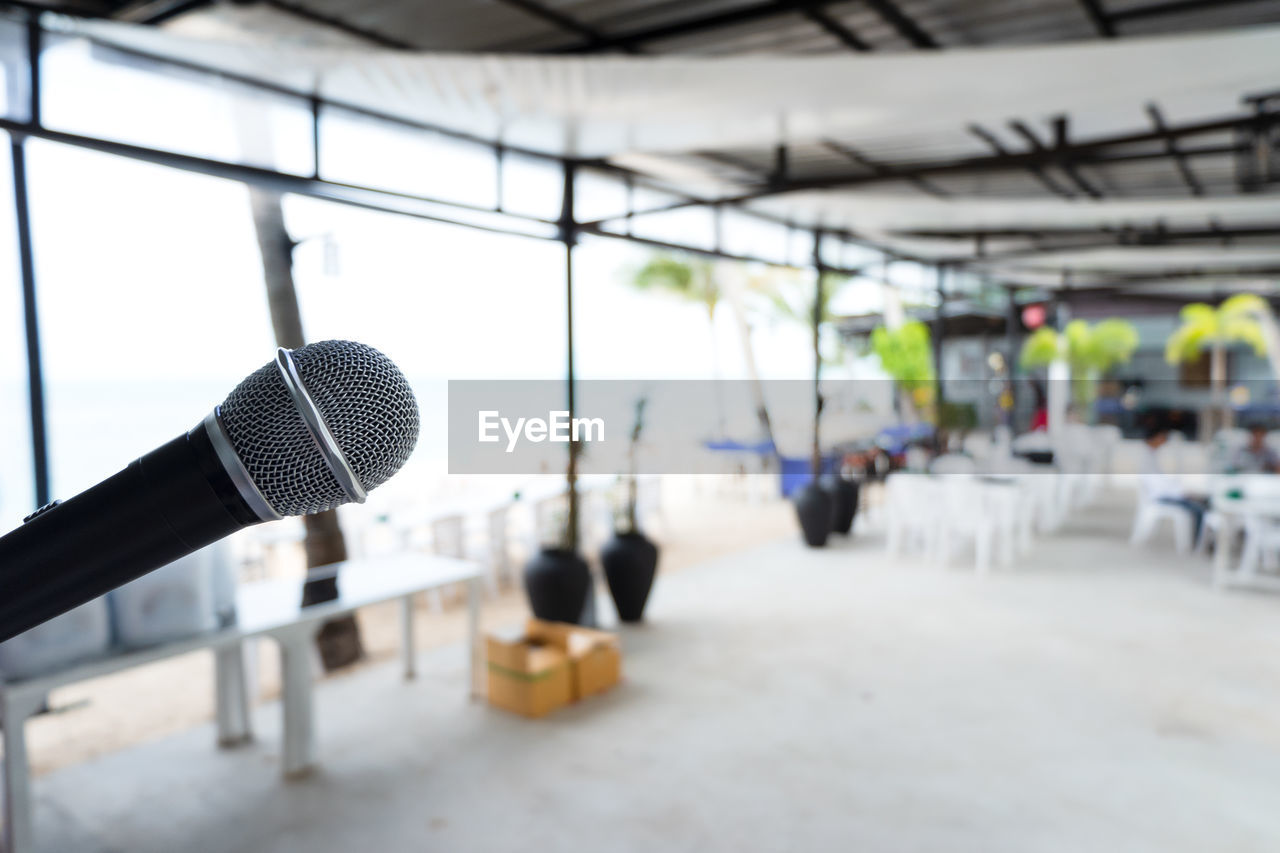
819,271
31,319
1011,321
939,328
26,260
569,237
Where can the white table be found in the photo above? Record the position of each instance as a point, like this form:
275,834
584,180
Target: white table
1233,513
268,609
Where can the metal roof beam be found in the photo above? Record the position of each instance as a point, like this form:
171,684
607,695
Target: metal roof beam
561,21
1127,237
838,30
305,14
1061,144
697,24
1095,151
1171,145
1153,10
1000,151
906,27
879,168
156,11
1099,17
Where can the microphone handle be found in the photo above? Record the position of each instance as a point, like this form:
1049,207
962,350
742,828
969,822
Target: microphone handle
164,505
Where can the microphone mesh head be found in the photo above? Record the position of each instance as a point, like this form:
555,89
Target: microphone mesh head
364,400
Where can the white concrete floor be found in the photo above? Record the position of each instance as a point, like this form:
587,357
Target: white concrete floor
1099,698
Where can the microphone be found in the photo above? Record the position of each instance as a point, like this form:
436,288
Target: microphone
317,428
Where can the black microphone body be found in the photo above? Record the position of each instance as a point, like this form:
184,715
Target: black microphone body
165,505
313,430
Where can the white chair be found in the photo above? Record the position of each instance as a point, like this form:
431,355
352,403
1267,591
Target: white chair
1261,545
498,550
953,463
448,539
1148,517
983,514
913,510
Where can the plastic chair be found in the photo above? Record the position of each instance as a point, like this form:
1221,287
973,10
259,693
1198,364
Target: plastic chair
953,463
1148,517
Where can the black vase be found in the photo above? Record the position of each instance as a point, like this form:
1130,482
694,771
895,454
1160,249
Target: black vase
813,507
630,562
557,582
844,500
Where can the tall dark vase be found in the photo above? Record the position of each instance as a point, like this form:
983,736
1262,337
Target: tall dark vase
813,507
557,582
844,500
630,562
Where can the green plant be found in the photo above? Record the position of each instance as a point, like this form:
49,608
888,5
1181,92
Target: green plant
906,354
790,299
1090,350
1234,321
1243,318
630,523
692,280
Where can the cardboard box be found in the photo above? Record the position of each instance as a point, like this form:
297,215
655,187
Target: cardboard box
550,664
595,658
527,676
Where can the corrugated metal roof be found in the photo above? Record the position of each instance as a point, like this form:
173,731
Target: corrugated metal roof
1151,169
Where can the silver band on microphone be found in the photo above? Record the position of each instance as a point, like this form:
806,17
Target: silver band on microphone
235,468
320,434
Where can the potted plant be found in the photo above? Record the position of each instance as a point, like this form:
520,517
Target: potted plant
630,559
906,354
1243,318
1089,351
557,579
788,304
816,502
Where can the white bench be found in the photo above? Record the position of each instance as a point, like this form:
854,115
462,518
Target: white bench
267,609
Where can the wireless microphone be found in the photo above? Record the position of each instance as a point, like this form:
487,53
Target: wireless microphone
318,427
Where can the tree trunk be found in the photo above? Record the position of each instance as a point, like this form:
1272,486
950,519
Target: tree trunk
721,428
338,640
816,461
733,288
1218,384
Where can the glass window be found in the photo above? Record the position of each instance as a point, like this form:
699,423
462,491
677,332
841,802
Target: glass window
753,237
531,186
598,196
103,92
358,150
442,301
15,71
151,304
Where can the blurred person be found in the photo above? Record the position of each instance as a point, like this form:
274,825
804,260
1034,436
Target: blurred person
1040,416
1255,457
1165,488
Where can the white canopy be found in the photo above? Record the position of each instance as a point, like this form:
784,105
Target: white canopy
650,113
605,106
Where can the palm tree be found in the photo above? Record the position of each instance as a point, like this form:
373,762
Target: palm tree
339,639
1243,318
1089,351
790,299
692,280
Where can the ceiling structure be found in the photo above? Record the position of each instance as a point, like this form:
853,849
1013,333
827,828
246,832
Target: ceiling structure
1162,173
